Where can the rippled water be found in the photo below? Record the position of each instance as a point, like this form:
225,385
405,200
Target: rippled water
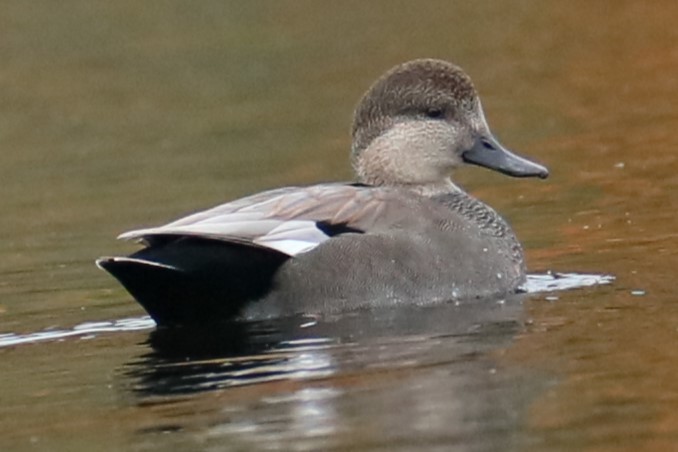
124,114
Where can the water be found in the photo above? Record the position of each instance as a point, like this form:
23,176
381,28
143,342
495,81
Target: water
119,115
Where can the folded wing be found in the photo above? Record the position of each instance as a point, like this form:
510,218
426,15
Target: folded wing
290,220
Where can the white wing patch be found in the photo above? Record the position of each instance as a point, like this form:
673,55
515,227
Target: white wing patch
293,237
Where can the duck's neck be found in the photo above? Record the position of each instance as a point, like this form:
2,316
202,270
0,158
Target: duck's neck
435,189
429,190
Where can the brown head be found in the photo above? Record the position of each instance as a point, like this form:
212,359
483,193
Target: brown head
419,121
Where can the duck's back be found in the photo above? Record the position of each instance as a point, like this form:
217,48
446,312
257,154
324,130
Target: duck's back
448,247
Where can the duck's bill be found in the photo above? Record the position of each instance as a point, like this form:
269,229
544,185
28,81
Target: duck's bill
489,153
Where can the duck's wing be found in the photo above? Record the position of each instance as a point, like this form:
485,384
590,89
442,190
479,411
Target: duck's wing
290,220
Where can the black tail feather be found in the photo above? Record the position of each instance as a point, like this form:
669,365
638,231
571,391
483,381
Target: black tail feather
193,281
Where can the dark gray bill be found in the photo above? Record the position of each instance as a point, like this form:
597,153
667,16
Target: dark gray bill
489,153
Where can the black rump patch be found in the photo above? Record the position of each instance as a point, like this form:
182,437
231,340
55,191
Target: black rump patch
331,229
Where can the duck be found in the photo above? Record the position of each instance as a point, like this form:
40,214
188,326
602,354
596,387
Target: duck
401,233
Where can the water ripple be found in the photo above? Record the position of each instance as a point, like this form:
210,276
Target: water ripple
86,329
553,281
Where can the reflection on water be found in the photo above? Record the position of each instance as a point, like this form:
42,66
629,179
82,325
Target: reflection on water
398,376
192,360
319,382
246,353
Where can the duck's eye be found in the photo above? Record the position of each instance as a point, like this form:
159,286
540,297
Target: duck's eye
487,145
434,113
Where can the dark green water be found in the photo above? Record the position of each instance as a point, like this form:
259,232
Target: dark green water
118,115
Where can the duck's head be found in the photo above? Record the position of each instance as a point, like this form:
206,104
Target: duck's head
422,119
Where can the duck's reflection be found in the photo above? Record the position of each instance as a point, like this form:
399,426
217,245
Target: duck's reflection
378,374
185,361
